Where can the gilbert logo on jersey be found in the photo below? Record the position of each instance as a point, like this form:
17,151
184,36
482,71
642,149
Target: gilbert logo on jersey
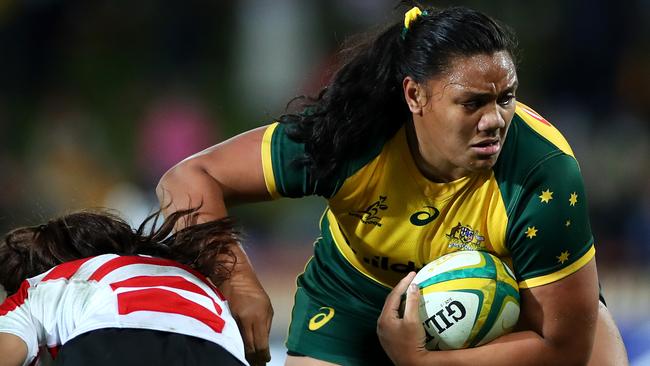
370,214
465,238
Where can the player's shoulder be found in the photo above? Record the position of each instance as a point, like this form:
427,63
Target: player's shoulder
284,177
532,143
531,139
533,126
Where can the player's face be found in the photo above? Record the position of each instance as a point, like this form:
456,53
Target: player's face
465,116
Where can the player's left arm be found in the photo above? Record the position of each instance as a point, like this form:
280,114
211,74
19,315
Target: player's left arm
18,336
557,326
13,350
551,245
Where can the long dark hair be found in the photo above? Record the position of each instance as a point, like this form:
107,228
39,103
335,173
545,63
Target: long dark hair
28,251
364,100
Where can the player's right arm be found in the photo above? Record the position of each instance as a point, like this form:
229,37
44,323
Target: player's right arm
222,175
225,174
12,349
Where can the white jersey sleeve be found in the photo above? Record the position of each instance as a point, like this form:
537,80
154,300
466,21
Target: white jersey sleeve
16,319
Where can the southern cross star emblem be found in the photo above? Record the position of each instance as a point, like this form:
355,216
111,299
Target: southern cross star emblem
563,257
546,196
531,232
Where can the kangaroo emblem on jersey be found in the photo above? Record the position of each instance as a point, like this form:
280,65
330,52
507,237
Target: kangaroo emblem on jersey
370,214
465,238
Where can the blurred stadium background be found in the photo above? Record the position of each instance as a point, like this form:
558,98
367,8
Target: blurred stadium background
99,98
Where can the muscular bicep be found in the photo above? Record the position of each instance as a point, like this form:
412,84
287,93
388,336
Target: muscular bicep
564,312
236,164
227,173
13,350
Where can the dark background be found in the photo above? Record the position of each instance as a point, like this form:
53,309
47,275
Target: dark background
99,98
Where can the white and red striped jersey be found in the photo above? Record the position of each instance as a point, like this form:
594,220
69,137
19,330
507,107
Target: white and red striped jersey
112,291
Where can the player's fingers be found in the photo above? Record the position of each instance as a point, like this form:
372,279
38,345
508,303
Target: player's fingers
262,342
411,308
247,335
259,358
391,306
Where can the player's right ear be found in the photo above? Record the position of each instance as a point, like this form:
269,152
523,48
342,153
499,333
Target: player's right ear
414,94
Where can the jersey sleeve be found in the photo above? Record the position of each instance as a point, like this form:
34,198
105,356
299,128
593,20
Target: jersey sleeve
16,319
550,236
283,177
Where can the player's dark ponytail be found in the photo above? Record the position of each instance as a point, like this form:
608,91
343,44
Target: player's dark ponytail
364,100
28,251
362,103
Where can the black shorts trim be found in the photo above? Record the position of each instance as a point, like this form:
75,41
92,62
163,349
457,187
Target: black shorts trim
601,297
295,354
137,347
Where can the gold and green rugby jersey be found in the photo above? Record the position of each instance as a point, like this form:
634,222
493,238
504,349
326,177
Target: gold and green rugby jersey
386,218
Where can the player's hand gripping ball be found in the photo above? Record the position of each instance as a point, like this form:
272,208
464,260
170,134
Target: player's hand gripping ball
468,299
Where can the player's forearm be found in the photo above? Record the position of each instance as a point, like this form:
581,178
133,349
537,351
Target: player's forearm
242,271
520,348
189,185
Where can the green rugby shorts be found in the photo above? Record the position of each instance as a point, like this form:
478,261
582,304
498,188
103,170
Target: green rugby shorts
335,312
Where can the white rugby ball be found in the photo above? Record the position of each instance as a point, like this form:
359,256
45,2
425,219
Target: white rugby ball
468,299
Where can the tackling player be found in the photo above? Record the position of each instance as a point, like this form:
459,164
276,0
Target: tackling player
94,292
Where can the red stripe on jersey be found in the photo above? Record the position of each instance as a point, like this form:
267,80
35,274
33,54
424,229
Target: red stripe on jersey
164,301
54,351
15,300
535,115
168,281
65,270
119,262
122,261
205,280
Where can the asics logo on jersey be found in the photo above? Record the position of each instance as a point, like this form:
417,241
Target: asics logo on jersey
320,319
422,218
370,214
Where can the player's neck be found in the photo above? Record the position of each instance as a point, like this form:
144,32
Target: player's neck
430,163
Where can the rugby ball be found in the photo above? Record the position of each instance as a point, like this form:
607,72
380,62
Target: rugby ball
468,298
